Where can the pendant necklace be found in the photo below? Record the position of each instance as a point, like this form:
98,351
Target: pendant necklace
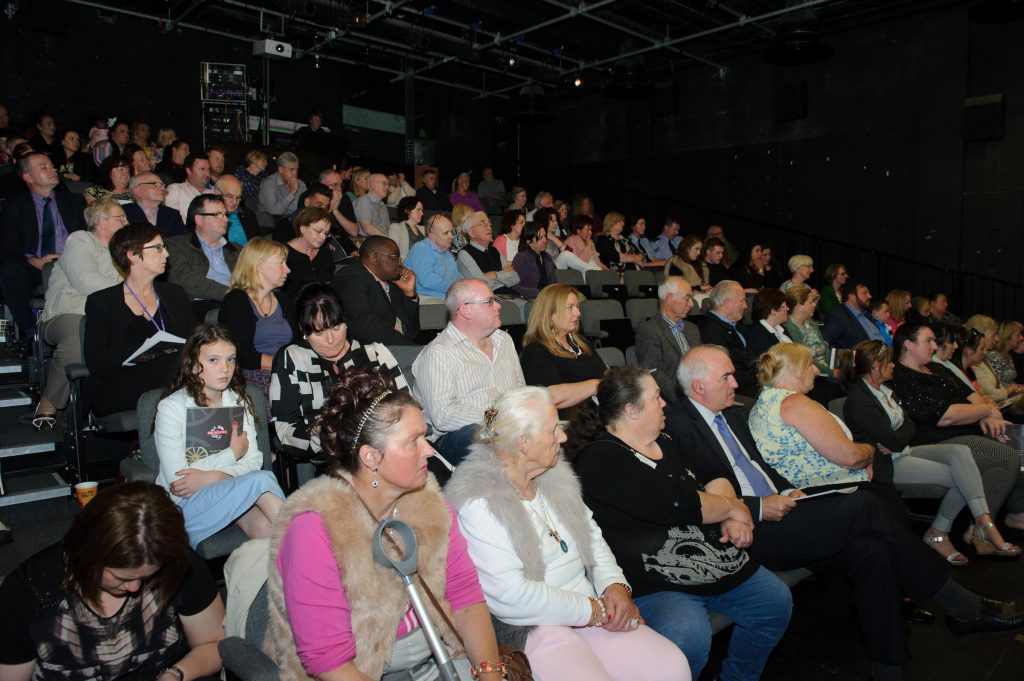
552,532
574,349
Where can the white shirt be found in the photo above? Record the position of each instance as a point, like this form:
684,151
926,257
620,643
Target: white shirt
456,381
180,195
892,410
777,331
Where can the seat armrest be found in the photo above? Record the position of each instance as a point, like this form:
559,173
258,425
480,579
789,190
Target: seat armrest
246,661
76,372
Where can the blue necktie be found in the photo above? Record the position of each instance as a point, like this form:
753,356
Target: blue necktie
760,484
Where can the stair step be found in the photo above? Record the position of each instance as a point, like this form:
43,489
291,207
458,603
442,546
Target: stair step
20,489
14,397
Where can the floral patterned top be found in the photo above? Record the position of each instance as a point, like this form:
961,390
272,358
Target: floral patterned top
809,334
789,452
1004,370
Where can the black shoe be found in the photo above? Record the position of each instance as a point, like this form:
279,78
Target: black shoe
916,615
994,616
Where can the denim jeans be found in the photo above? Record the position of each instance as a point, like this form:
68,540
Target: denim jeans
454,446
760,608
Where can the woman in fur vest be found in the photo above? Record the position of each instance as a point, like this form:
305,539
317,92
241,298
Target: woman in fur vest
334,612
550,580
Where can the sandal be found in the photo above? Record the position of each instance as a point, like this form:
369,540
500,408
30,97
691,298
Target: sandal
955,558
985,547
44,421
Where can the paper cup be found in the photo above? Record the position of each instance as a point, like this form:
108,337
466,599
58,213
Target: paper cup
85,491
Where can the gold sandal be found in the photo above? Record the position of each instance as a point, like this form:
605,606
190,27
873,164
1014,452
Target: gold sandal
956,559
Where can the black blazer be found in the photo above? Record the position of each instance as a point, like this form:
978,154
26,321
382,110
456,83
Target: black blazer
168,220
371,316
717,332
842,329
237,315
19,227
758,338
250,224
868,422
706,457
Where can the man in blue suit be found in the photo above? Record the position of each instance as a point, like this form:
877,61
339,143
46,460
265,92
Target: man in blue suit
850,323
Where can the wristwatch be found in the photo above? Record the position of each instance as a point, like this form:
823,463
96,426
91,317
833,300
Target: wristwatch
173,669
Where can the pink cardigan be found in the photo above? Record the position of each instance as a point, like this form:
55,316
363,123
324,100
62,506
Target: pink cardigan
317,608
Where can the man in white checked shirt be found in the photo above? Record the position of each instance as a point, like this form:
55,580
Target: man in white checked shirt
466,368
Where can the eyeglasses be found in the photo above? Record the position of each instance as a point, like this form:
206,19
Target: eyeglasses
218,214
159,248
486,301
158,183
120,217
232,197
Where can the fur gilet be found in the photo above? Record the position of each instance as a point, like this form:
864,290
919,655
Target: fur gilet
481,476
374,592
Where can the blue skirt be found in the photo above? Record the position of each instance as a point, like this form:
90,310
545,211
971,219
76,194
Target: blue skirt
216,506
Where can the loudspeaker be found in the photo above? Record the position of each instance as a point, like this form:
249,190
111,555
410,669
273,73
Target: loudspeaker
984,117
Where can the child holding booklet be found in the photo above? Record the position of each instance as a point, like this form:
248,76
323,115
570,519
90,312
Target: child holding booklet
214,488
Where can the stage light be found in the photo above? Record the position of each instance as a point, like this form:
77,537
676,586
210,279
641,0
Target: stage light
577,81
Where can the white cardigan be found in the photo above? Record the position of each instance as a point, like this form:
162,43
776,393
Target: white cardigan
170,442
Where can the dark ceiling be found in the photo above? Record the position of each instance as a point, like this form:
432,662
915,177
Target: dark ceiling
498,47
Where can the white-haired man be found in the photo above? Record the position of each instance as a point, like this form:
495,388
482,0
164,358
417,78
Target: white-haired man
663,340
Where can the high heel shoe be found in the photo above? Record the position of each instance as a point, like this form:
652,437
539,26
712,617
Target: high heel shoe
984,547
954,557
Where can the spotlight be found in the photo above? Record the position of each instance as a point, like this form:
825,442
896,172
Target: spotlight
511,60
358,20
577,81
316,61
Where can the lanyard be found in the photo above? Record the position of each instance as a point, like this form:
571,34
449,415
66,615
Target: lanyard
159,327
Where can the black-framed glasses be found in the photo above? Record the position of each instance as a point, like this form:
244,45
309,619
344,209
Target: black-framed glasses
156,182
218,214
159,248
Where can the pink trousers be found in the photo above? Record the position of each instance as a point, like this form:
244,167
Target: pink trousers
591,654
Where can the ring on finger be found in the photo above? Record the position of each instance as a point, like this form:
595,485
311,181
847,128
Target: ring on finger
633,623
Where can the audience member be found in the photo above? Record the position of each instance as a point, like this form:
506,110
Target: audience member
409,231
752,276
243,224
371,212
802,329
615,250
481,260
802,267
461,193
112,178
398,189
34,227
309,256
637,232
342,228
226,486
149,192
120,135
716,232
140,138
197,181
768,311
517,199
663,340
83,268
507,242
216,157
137,160
899,303
304,372
428,194
379,295
940,309
534,266
986,326
721,327
998,359
72,163
558,244
172,167
44,135
835,277
332,612
880,317
714,261
279,193
566,597
664,247
317,196
432,261
119,319
454,401
685,261
690,560
125,560
581,243
312,136
849,323
202,259
164,136
252,172
256,311
490,190
542,200
358,187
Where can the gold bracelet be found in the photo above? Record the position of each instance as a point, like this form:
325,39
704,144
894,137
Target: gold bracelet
488,667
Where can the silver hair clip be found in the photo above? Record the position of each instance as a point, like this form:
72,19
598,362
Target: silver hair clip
489,416
366,416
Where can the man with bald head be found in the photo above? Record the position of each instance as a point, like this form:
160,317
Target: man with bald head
242,222
465,368
371,211
149,192
379,295
664,339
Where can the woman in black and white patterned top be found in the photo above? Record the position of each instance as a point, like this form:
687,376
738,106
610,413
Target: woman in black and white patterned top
303,372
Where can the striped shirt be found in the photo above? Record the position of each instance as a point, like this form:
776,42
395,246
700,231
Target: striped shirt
456,381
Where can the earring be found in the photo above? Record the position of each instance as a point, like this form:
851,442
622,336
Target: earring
374,483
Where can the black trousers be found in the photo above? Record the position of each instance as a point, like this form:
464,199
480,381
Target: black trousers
18,280
856,536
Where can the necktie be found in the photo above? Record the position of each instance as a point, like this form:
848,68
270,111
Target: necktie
760,484
677,331
743,340
47,236
387,294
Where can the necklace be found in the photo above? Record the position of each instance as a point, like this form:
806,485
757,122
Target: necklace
544,518
260,307
574,348
151,317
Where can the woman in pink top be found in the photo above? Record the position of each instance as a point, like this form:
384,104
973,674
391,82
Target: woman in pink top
507,243
461,193
581,243
334,612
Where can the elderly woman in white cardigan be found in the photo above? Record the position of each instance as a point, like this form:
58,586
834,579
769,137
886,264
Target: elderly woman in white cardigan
550,580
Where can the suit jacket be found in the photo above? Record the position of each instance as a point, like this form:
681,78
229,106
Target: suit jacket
706,457
19,227
842,329
371,316
717,332
250,224
656,348
188,266
168,220
759,339
869,422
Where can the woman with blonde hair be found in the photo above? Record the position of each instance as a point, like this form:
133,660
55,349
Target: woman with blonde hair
899,303
1008,338
615,250
987,327
252,172
803,329
555,354
261,318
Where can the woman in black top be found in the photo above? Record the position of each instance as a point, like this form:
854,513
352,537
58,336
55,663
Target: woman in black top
71,163
120,318
554,355
679,542
616,251
310,259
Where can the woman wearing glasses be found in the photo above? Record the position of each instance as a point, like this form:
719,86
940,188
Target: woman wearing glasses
112,179
310,258
120,318
409,231
83,268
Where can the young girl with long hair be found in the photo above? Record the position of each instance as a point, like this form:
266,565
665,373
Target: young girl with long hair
222,487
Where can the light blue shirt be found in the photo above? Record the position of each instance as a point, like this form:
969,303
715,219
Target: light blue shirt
662,248
435,270
867,322
219,270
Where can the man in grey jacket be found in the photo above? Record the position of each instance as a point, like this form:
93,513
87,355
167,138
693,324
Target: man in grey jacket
663,340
